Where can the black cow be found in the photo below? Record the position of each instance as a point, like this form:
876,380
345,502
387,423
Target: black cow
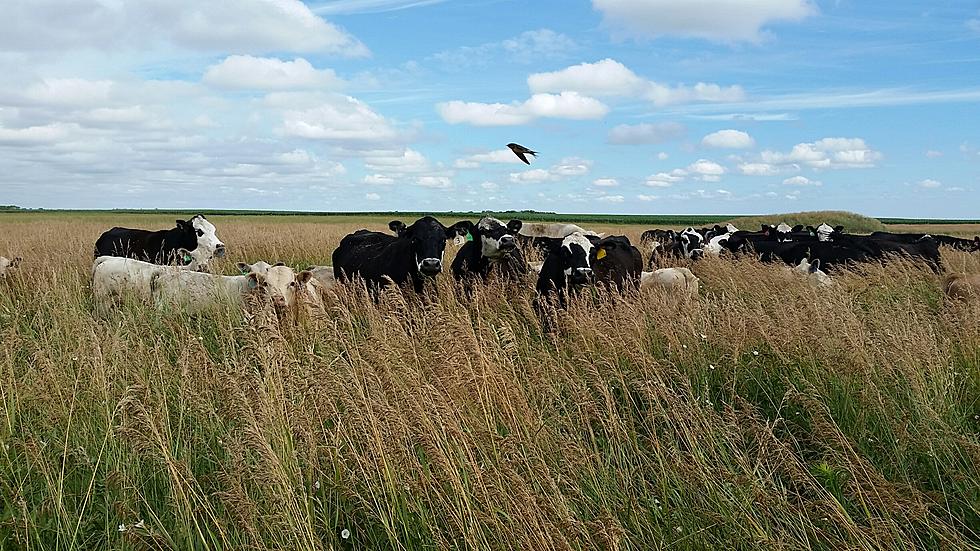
491,246
196,235
971,245
688,243
615,260
415,252
567,265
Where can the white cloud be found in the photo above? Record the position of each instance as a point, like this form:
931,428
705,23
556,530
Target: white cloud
378,179
245,72
642,197
243,26
566,105
933,154
69,92
405,161
930,183
835,153
612,198
372,196
490,186
605,182
438,182
527,47
801,181
728,139
708,171
338,118
609,77
645,133
372,6
663,156
758,169
666,179
569,167
716,20
504,156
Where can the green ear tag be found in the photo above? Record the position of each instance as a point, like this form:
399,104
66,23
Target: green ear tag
469,236
187,259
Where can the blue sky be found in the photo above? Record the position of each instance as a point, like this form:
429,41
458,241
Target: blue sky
636,106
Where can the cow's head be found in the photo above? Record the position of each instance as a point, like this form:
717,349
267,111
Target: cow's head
428,240
260,267
976,244
575,253
690,243
8,265
824,232
206,237
780,233
496,239
813,271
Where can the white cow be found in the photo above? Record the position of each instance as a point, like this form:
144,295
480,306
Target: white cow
114,277
324,275
671,279
7,266
538,229
197,291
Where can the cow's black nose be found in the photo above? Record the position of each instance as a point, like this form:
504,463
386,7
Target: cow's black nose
219,251
431,266
507,242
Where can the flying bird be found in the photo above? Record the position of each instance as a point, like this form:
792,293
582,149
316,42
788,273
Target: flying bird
520,150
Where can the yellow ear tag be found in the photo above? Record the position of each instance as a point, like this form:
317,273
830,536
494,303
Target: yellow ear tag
601,254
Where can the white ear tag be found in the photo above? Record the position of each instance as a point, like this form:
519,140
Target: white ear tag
459,240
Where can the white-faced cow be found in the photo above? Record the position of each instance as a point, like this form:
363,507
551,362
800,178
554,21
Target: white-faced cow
675,281
566,267
491,247
7,266
197,236
414,253
615,261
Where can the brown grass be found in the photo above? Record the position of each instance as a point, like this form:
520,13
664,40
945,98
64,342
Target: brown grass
765,413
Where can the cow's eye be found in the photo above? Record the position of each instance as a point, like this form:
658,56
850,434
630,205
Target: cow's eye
200,233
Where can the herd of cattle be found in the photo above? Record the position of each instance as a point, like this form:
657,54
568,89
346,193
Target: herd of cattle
170,266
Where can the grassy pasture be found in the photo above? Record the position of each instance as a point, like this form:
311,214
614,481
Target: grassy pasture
765,414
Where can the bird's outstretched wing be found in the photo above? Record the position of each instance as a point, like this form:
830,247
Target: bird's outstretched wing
520,151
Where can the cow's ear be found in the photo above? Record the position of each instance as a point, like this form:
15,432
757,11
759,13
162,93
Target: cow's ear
839,229
815,266
397,226
304,277
254,280
594,239
670,234
278,264
515,225
182,223
244,268
462,227
797,228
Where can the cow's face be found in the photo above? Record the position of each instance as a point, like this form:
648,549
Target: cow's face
690,243
824,232
813,271
428,241
976,244
7,266
207,237
496,239
575,252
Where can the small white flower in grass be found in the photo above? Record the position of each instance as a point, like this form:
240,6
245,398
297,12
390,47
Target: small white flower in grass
345,533
684,346
704,337
711,367
755,352
679,529
122,528
140,524
74,358
200,339
316,485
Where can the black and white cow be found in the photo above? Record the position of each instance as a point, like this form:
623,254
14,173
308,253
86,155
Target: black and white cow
971,245
196,236
615,261
414,253
687,243
567,265
491,246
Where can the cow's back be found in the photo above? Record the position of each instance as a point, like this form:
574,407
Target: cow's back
366,254
131,243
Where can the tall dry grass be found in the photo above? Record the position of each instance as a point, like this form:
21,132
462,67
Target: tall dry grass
766,413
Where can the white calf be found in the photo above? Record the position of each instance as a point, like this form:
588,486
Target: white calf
7,265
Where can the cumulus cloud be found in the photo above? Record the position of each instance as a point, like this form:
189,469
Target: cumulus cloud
612,198
502,156
569,167
566,105
801,181
663,156
929,183
372,196
833,153
609,77
605,182
758,169
645,133
666,179
245,26
716,20
728,139
378,179
708,171
642,197
438,182
245,72
338,118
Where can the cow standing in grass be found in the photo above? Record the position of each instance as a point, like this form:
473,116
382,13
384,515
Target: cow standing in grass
491,248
